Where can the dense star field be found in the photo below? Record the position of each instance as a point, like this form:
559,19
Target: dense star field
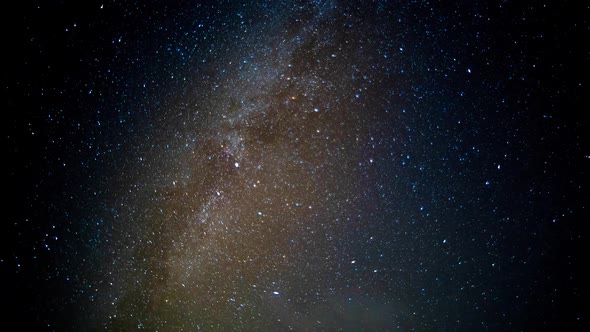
296,165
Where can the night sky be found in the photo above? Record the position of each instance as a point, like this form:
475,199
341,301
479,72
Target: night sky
296,165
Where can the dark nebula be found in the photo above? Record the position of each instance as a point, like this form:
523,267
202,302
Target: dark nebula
297,165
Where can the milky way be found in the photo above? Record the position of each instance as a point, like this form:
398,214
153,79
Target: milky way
299,165
253,209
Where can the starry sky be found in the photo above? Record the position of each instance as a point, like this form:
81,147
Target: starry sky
305,165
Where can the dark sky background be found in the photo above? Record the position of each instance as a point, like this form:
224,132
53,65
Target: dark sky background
296,165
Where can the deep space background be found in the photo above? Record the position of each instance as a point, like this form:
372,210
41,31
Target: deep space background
295,165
